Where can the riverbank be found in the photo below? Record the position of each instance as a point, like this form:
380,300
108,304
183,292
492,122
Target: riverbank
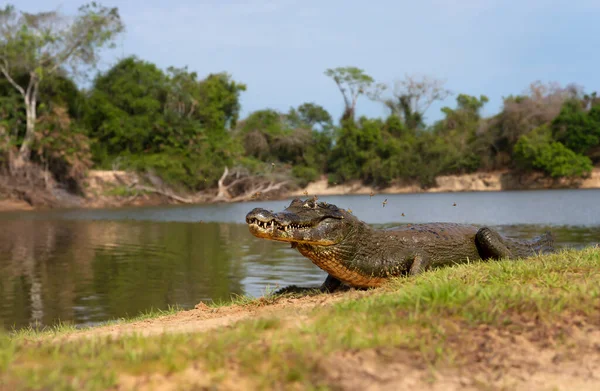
519,325
108,189
480,181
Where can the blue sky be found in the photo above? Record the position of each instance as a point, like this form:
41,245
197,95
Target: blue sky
281,48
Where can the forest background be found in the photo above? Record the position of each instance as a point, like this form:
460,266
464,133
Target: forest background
181,131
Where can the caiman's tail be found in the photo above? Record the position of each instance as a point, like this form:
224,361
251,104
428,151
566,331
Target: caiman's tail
544,243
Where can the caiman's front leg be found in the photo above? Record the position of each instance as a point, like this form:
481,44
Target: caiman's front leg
331,284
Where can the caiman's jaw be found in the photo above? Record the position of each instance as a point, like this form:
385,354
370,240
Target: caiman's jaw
274,230
303,222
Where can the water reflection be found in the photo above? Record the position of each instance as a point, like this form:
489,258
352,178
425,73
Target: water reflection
88,272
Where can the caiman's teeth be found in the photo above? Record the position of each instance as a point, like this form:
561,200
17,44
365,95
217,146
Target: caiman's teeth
262,224
273,225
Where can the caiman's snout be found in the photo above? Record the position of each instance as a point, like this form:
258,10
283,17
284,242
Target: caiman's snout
268,220
257,215
302,222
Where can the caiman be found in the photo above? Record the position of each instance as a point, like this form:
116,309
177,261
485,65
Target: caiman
357,255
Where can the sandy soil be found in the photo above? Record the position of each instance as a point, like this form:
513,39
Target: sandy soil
536,357
480,181
204,318
492,360
13,205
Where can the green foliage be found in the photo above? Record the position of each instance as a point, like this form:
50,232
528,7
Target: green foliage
195,168
56,90
351,79
62,147
453,144
292,139
380,152
41,43
125,114
577,129
538,150
172,124
44,44
309,115
12,112
186,129
213,102
355,145
305,174
59,90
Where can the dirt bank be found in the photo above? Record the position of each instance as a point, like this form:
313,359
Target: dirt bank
491,357
204,318
14,205
105,189
481,181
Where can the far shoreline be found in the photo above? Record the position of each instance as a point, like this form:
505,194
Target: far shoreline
101,185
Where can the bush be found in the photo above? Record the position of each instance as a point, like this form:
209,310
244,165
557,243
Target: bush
538,150
196,168
575,128
63,148
305,174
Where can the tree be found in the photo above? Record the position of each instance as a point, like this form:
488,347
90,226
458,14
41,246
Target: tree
312,120
577,129
536,106
353,82
214,101
43,43
413,96
126,112
355,149
172,125
310,114
454,148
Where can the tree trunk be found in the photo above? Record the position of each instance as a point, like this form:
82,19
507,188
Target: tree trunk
223,194
348,114
25,150
31,115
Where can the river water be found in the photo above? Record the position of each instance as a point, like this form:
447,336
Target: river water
89,266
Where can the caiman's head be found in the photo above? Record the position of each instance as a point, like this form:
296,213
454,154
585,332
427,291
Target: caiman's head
303,222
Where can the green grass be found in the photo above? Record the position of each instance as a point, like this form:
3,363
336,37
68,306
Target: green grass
38,333
32,332
425,317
